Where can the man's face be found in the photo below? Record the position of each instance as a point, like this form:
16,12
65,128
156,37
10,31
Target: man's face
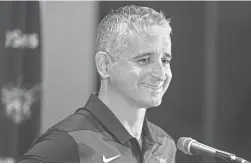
142,73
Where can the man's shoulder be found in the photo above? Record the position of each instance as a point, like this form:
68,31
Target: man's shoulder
83,120
57,144
52,146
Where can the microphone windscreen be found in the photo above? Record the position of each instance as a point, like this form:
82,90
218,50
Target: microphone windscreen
183,144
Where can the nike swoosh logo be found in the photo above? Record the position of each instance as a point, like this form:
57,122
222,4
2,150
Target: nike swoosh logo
106,160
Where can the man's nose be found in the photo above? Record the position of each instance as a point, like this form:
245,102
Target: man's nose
158,71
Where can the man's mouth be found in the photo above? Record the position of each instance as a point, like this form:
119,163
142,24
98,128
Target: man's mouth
154,87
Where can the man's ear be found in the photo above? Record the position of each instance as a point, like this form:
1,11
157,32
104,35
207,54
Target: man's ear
103,63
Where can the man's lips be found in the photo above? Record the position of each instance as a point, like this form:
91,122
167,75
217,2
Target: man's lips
152,86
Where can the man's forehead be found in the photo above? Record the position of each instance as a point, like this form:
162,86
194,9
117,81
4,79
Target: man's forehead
156,31
154,40
150,40
151,35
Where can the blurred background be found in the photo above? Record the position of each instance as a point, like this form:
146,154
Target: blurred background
47,71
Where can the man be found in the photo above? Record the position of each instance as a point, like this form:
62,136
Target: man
133,53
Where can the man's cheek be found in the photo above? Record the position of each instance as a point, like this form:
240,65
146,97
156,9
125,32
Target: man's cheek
135,70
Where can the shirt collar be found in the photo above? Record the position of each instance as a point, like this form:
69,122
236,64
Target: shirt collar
111,122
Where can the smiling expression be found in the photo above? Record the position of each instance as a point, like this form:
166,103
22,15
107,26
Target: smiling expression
142,73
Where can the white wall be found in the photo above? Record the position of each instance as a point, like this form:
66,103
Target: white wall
68,31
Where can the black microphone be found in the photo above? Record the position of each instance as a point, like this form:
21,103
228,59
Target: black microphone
192,147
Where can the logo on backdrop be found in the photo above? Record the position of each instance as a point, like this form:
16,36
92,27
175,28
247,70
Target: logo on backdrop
17,39
18,101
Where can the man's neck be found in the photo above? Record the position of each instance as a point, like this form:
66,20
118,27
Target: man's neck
131,117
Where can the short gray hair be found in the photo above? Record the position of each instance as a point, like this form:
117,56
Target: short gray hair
113,30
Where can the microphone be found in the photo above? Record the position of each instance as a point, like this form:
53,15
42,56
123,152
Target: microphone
192,147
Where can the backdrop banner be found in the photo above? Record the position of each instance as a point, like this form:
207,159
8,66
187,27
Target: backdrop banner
20,77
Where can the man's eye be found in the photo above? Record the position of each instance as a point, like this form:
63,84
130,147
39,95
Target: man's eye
166,61
143,61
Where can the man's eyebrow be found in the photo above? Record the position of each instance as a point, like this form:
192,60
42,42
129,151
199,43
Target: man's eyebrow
143,54
168,55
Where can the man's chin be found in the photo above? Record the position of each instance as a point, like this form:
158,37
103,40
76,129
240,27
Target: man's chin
156,104
153,103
